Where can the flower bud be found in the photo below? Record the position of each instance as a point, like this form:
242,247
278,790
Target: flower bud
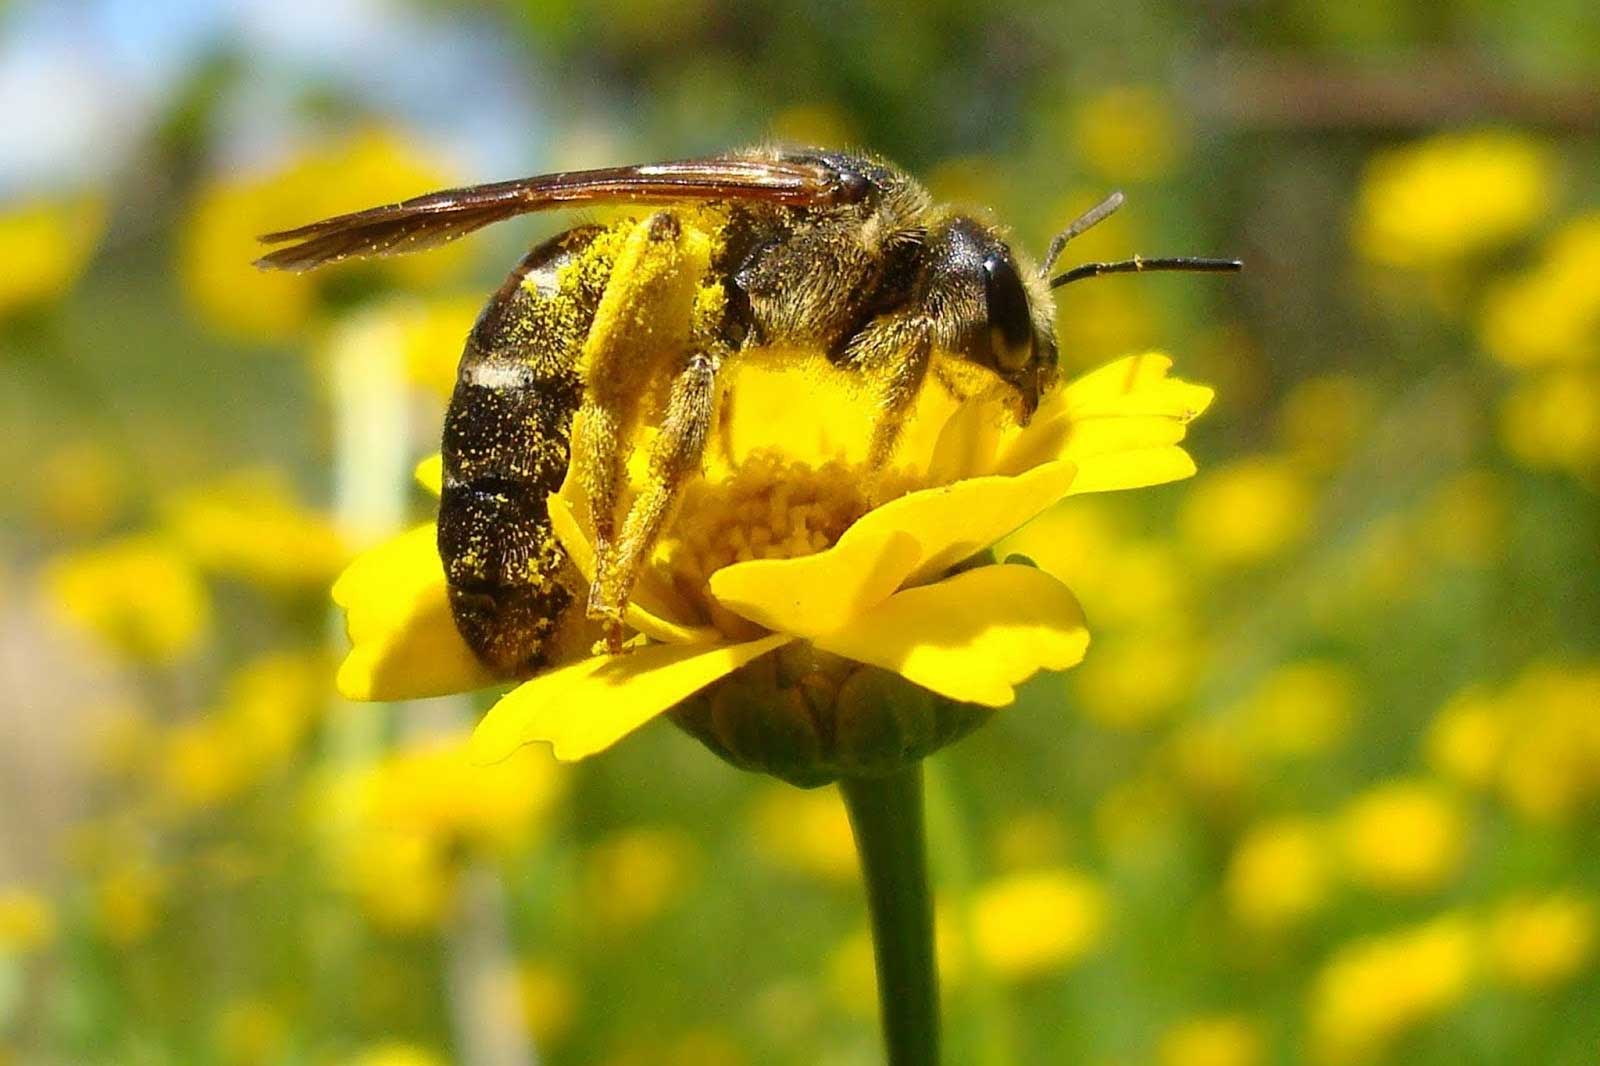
810,718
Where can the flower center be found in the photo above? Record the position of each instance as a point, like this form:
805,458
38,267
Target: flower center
769,507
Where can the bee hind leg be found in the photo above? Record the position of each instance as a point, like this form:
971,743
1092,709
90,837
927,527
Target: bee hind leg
674,458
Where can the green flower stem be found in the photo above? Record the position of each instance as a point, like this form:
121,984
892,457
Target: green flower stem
886,817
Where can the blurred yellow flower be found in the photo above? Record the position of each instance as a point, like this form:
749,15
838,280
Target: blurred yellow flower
45,246
1212,1040
268,706
1210,759
219,239
1552,421
1466,740
632,877
1300,709
1541,941
1120,579
432,333
1464,520
1376,989
401,828
1439,201
1247,511
1551,314
27,921
251,1032
128,900
806,830
404,882
1323,419
814,123
396,1054
547,999
432,789
250,526
1134,679
697,1047
80,487
1127,133
1551,763
138,594
861,596
1032,924
1029,840
1280,873
1403,836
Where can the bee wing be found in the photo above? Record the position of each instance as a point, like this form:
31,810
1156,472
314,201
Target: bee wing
438,217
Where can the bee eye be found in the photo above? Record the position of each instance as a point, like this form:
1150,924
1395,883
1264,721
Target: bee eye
1010,324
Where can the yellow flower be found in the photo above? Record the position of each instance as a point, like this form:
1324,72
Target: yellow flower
396,1054
137,594
1212,1040
127,901
27,921
1403,836
219,239
735,580
806,831
1279,874
1538,942
401,827
250,526
632,877
1452,196
546,999
1553,421
1376,989
1551,314
1128,133
45,246
266,710
431,333
1032,924
251,1032
1550,766
1467,739
80,487
1247,512
1300,709
1323,419
1135,679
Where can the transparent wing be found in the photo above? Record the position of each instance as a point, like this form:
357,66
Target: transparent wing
438,217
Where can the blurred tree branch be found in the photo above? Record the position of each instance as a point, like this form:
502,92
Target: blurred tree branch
1423,89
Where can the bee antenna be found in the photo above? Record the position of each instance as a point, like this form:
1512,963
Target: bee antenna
1138,264
1092,217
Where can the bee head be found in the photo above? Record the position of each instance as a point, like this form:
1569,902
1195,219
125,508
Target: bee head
991,309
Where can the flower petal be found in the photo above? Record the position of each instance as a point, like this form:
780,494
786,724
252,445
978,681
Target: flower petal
971,637
590,705
1127,406
646,612
430,474
397,612
911,538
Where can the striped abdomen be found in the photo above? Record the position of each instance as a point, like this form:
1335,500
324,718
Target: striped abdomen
506,445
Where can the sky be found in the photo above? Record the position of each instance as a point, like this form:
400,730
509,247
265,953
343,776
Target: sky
82,81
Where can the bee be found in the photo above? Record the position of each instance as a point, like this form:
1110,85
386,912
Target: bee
604,328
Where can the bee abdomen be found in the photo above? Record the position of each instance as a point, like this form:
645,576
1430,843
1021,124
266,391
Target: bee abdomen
507,442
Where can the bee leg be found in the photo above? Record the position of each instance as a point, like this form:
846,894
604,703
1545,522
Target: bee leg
894,351
674,458
638,340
